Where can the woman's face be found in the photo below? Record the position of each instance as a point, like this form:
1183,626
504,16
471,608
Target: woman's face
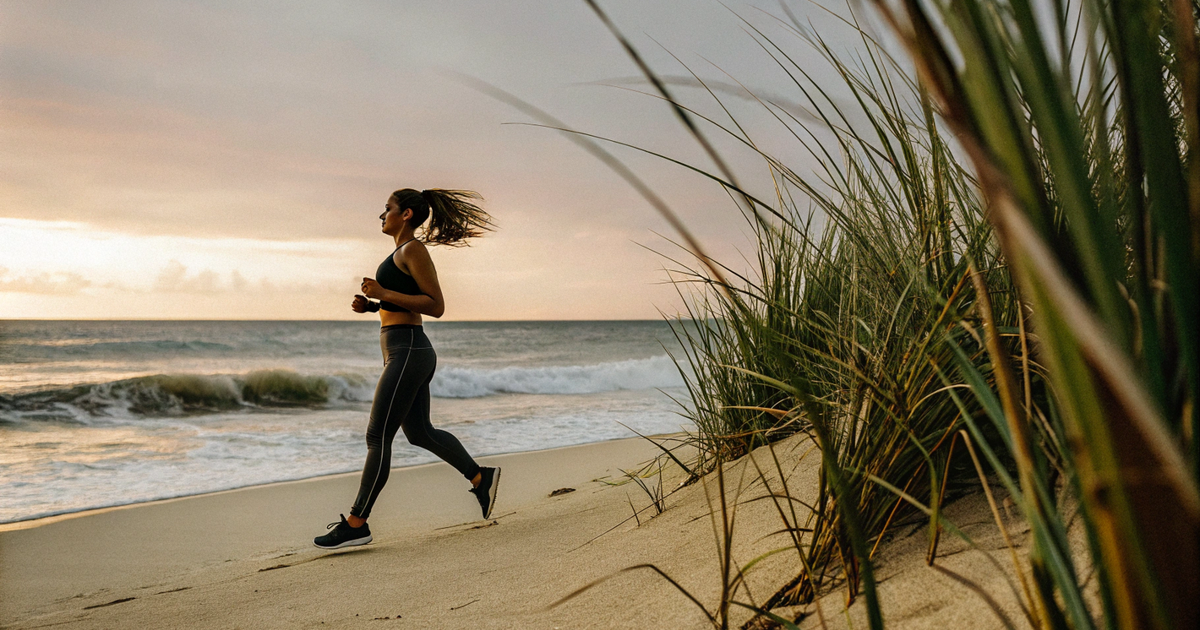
393,218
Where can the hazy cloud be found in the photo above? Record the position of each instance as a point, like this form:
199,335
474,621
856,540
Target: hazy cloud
176,278
43,283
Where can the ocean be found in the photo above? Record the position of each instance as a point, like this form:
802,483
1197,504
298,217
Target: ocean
102,413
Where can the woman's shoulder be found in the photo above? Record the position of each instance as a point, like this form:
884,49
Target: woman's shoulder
410,250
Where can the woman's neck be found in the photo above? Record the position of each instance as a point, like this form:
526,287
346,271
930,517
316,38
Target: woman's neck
405,236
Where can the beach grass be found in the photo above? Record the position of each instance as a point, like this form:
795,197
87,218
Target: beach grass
1084,128
851,327
999,248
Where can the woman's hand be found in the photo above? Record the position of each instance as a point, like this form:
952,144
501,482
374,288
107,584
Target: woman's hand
359,305
371,289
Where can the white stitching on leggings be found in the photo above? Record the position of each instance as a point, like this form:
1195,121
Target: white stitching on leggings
388,418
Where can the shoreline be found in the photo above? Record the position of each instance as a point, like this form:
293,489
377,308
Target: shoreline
243,558
39,521
150,557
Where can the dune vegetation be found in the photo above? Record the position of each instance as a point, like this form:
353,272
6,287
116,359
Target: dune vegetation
991,279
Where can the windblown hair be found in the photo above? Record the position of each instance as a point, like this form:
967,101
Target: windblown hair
453,215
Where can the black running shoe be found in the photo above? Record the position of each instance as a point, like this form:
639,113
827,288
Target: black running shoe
486,492
343,535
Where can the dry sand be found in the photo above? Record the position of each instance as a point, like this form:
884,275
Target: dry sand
243,558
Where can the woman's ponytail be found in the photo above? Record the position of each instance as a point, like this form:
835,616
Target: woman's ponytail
453,215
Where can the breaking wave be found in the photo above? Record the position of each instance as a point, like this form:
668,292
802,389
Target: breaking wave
166,395
163,395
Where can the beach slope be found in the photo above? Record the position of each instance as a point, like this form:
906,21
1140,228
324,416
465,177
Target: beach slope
243,558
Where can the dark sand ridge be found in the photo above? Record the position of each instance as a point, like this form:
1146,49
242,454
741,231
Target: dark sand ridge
242,559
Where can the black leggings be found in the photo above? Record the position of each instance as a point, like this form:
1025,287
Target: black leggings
402,401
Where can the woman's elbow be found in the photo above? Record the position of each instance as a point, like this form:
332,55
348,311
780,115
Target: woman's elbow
437,311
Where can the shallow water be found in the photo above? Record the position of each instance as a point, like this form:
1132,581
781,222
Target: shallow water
95,414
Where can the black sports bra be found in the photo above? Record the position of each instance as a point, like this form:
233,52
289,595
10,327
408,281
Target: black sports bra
389,276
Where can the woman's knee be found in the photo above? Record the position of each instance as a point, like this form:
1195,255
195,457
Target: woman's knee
374,439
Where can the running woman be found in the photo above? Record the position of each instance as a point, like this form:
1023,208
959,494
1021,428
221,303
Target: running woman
406,287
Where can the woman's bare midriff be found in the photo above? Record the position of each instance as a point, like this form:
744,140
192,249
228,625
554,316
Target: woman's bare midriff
391,318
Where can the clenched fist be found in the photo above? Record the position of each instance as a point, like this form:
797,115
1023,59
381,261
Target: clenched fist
371,289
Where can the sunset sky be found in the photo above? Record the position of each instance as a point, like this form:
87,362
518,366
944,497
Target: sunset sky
229,159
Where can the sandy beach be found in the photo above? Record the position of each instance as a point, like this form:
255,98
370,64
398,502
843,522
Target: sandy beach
243,558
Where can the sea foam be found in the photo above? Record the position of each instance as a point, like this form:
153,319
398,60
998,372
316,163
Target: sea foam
651,373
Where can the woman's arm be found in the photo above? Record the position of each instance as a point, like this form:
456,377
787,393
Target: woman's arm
420,267
422,304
